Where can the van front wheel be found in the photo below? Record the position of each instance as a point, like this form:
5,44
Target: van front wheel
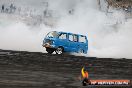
49,50
59,50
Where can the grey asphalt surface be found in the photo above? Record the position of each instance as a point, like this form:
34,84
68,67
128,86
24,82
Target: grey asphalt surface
40,70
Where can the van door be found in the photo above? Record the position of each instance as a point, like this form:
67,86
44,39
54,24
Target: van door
62,41
73,42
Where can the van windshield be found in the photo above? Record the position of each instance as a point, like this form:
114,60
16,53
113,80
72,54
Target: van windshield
52,34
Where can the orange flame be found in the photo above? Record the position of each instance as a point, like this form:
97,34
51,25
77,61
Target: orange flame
84,73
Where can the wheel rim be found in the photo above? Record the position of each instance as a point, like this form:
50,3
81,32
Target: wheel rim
59,50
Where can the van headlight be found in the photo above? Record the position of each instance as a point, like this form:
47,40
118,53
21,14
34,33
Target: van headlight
53,42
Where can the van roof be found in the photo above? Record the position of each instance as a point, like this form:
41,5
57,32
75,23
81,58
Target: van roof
68,33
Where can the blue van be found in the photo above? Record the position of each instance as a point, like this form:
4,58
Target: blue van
65,42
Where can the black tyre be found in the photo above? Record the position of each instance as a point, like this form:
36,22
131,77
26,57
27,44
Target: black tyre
59,50
50,50
81,51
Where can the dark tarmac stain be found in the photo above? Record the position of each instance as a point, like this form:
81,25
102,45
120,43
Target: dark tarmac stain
40,70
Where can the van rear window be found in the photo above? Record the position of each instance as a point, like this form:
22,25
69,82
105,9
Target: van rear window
82,39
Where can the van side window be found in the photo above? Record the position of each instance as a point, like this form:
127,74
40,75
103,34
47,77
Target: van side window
70,37
73,37
82,39
62,36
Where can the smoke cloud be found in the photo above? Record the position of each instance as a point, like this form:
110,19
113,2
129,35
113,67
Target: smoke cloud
109,34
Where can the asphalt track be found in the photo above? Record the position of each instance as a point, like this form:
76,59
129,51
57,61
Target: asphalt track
20,69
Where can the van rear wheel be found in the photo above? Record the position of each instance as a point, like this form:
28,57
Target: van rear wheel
50,50
81,51
59,50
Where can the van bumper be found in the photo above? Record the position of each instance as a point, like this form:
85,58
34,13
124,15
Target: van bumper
47,45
